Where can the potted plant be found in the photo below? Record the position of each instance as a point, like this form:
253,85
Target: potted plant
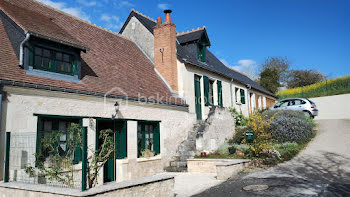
232,150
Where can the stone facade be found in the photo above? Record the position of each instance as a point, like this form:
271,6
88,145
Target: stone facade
21,105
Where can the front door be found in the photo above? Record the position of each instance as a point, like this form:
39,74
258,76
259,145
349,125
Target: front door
198,98
119,137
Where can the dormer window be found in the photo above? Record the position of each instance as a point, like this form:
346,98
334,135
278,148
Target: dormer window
201,52
54,61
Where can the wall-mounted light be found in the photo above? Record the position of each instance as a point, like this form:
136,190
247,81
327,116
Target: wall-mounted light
116,107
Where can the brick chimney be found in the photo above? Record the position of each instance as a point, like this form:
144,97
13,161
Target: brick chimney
165,57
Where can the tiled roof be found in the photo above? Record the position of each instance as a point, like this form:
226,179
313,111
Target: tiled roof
113,64
187,51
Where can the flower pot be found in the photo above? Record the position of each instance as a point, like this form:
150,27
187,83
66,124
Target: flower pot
240,154
203,154
232,150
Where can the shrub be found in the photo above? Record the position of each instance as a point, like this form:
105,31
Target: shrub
238,116
262,135
238,137
289,126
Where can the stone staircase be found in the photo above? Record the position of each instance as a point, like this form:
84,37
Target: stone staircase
188,148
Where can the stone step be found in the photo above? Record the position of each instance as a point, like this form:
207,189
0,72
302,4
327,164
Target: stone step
178,163
175,169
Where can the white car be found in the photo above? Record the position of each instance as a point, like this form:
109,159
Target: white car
298,104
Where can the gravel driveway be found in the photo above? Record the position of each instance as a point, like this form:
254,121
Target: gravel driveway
322,169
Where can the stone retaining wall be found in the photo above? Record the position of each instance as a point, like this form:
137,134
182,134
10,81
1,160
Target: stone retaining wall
158,185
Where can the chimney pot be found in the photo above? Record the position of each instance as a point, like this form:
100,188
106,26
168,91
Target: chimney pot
159,20
167,16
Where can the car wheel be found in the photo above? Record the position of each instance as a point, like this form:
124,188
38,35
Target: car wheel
308,114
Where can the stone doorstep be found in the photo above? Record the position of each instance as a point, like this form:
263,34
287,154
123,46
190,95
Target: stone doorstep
90,192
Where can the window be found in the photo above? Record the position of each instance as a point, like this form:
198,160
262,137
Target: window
48,125
219,93
242,96
211,92
52,60
201,51
148,137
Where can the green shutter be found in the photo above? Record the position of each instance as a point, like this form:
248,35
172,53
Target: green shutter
156,139
206,90
39,135
219,93
242,96
121,137
31,57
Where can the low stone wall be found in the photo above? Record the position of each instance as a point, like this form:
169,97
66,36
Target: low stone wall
224,168
158,185
332,107
229,169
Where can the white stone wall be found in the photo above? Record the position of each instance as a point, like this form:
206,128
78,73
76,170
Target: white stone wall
332,107
22,104
138,33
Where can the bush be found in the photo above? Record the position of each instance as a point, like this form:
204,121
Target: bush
238,116
290,126
238,137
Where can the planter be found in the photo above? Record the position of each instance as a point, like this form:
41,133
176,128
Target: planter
203,154
232,150
240,154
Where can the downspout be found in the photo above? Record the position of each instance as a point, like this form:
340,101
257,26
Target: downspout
0,107
231,92
248,96
21,46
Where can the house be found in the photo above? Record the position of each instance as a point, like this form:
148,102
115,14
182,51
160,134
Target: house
56,69
193,72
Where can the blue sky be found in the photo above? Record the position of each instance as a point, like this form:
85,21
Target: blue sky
312,34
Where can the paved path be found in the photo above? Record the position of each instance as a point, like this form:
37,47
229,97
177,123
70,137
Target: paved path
322,169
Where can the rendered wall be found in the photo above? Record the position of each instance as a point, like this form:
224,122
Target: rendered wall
21,105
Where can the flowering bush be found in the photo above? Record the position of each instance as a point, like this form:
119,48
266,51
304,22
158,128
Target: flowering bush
289,126
238,116
262,135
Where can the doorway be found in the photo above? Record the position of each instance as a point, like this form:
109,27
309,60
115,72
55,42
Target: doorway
120,143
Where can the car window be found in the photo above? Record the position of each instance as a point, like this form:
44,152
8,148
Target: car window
299,102
291,103
284,104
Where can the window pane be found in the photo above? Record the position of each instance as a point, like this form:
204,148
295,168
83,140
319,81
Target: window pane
37,61
46,53
66,67
58,56
59,65
38,51
66,58
46,62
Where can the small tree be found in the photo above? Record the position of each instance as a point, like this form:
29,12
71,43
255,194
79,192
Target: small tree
300,78
55,164
274,73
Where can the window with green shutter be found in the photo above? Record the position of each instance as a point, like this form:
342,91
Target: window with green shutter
219,93
47,125
148,137
242,92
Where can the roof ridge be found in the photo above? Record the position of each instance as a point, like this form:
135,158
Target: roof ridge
191,31
149,18
237,71
79,19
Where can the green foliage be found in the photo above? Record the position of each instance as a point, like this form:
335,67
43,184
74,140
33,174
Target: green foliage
238,136
300,78
290,126
288,150
57,165
52,162
238,116
274,73
336,86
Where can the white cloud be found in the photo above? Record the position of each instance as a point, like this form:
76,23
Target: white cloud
163,6
87,3
63,7
111,22
121,4
248,67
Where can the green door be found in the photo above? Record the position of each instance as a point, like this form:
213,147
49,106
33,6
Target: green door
197,90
